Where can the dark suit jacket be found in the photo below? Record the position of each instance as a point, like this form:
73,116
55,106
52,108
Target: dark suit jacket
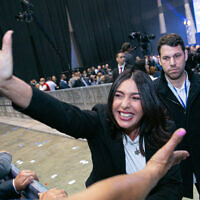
188,119
7,190
108,155
115,72
5,164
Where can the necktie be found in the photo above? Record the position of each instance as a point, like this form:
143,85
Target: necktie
121,70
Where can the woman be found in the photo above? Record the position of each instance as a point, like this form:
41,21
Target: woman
133,113
122,136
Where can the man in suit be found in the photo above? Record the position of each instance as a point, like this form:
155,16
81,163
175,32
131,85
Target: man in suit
5,163
179,89
11,188
121,65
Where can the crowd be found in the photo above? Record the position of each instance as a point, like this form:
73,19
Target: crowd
138,119
107,74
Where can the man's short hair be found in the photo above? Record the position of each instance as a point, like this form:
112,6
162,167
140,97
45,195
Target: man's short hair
125,46
171,40
120,51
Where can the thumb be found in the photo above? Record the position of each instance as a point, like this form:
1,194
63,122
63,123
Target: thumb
175,140
7,42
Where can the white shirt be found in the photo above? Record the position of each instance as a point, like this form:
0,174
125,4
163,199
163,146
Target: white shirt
135,161
180,92
51,85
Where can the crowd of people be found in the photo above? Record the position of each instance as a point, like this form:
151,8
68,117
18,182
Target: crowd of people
138,119
107,74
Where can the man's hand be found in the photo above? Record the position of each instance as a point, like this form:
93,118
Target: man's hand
6,61
166,157
4,152
53,194
24,178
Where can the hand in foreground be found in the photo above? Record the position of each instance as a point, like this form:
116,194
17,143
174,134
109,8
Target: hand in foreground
4,152
53,194
6,62
166,157
24,178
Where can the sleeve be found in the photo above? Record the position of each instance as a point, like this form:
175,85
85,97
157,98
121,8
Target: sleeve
62,116
7,190
169,187
5,164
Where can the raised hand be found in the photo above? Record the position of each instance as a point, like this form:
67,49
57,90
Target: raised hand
166,157
6,60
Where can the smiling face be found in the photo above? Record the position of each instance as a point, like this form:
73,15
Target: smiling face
173,61
127,107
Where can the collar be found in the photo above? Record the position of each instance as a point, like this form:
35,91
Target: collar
123,66
183,85
127,139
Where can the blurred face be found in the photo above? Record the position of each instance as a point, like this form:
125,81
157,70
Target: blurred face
98,67
53,78
42,81
120,58
173,61
63,76
127,107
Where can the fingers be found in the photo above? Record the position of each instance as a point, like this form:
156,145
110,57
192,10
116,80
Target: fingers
7,42
4,152
53,194
23,179
179,156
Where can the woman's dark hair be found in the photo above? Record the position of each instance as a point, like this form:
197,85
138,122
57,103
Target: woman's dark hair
154,122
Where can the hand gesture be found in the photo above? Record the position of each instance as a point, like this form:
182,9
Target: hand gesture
166,157
6,61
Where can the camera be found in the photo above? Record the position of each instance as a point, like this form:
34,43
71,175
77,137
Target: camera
141,37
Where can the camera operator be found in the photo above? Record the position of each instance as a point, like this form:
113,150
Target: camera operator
194,58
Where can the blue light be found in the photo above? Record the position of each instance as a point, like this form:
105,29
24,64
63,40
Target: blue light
173,9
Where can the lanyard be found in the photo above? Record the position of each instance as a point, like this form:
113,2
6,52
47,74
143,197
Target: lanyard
184,105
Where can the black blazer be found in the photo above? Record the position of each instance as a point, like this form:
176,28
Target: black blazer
108,155
115,72
188,119
7,190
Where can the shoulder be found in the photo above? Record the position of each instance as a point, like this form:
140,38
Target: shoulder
100,108
5,164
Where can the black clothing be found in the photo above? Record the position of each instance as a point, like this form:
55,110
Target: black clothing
108,155
115,72
188,119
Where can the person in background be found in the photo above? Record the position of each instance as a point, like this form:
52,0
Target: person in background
11,188
43,86
121,65
63,83
51,84
179,89
54,79
126,49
